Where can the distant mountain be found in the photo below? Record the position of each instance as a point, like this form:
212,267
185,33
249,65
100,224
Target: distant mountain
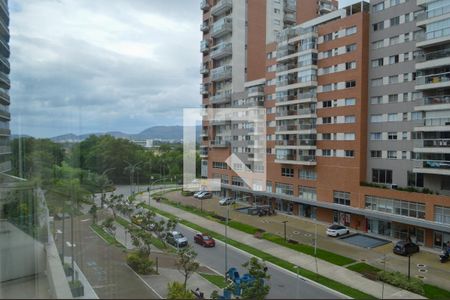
155,132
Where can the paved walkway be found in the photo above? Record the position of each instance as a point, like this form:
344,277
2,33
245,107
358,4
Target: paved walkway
326,269
302,230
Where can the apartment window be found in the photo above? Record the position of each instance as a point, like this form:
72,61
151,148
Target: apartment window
395,21
350,30
405,97
349,153
276,10
404,135
350,48
376,118
416,116
375,153
281,188
392,135
394,59
307,193
398,207
326,136
393,79
350,65
394,40
328,37
378,44
415,179
392,117
342,198
219,165
442,214
326,152
349,136
237,181
382,176
394,2
307,174
404,155
350,84
393,98
327,53
408,18
407,37
287,172
378,7
377,82
326,120
326,104
375,136
378,26
350,101
349,119
327,88
379,62
405,77
376,100
392,154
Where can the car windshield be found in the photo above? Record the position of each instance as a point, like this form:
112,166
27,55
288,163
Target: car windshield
206,238
178,236
336,227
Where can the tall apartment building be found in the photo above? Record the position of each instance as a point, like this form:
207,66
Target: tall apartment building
5,150
357,113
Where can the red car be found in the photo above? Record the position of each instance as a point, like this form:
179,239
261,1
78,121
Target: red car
204,240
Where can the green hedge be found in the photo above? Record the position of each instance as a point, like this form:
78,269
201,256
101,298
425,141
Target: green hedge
400,280
141,265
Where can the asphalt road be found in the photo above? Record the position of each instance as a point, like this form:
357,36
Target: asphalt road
284,284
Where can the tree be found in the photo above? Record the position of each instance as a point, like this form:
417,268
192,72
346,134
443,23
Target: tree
93,212
186,263
142,240
162,227
256,289
176,290
113,202
108,224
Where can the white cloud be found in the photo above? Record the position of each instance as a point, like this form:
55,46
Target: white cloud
101,65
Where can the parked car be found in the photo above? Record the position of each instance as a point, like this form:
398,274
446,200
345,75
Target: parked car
176,239
337,230
227,201
405,248
205,195
196,194
204,240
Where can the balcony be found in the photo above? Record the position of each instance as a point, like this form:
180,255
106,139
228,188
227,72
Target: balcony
286,67
434,103
290,6
307,160
3,27
204,46
204,89
305,112
295,128
4,48
432,143
255,91
222,50
432,13
302,97
434,124
4,9
204,5
204,27
433,59
431,38
289,18
219,144
4,80
221,97
222,27
223,6
437,167
326,7
4,95
433,81
5,132
296,143
221,73
203,151
5,115
204,70
5,65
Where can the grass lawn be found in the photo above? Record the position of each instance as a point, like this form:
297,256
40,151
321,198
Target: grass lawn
106,236
306,249
217,280
337,286
434,292
363,268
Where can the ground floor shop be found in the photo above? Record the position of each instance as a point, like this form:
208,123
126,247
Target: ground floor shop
394,230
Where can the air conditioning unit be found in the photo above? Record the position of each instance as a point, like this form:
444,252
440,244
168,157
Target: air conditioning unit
394,186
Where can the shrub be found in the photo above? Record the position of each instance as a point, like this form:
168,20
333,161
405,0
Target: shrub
400,280
187,193
142,265
176,291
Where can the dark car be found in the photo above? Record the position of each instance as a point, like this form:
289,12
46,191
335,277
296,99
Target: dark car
405,248
204,240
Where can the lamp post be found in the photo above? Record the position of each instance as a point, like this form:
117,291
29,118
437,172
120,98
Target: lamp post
151,188
284,223
132,168
409,266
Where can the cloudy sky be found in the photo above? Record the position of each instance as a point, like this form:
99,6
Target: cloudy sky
85,66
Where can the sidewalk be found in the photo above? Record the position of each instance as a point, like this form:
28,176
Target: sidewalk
302,230
326,269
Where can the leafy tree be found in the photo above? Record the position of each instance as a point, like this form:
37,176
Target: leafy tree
142,240
108,224
93,212
186,263
176,290
256,289
162,227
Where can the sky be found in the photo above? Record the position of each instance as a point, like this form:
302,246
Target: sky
84,66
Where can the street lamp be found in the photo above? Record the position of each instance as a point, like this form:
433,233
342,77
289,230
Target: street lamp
132,168
284,223
151,187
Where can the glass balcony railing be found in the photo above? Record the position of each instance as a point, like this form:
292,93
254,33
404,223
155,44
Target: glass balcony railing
221,73
433,78
437,164
204,46
204,27
204,89
222,27
431,35
433,13
433,55
296,112
4,95
437,122
290,18
222,50
297,158
219,143
4,48
221,97
204,69
296,127
221,7
204,5
295,143
435,143
290,6
432,100
5,79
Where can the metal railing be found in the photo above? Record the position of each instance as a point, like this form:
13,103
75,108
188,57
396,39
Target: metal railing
223,49
437,164
221,73
433,55
433,78
296,127
221,7
222,27
437,122
204,5
433,13
295,142
432,100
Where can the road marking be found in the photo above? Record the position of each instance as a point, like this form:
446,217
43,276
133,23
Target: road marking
139,276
